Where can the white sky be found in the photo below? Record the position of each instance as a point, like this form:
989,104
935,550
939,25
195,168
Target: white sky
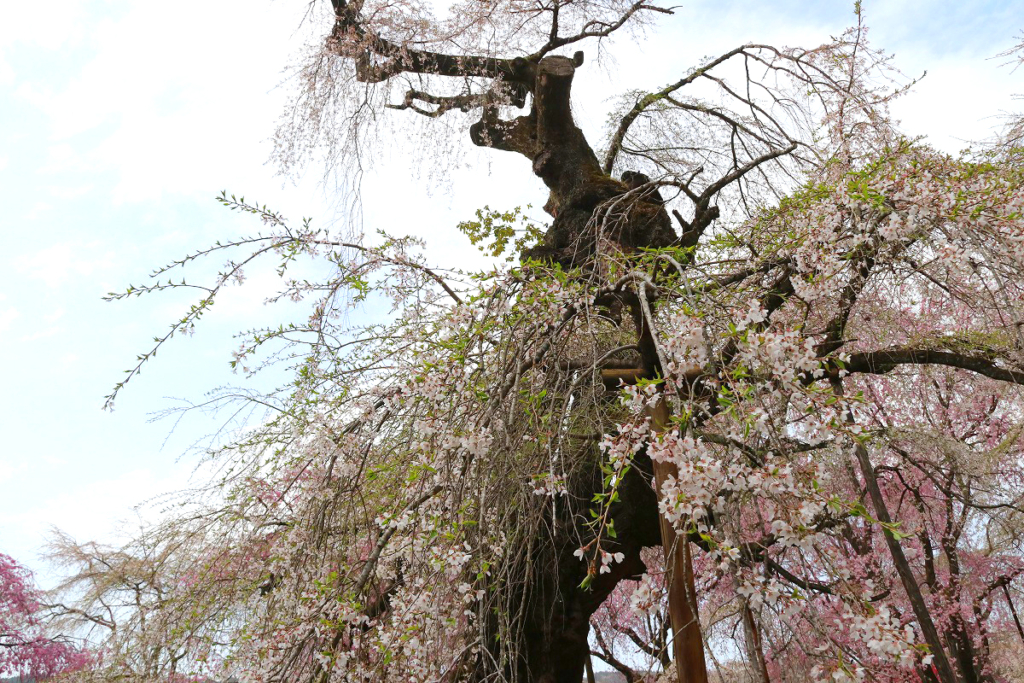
119,122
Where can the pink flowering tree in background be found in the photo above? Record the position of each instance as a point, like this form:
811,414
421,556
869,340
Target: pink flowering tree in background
748,408
26,648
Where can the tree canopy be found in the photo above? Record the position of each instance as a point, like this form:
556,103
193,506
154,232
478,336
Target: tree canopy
748,404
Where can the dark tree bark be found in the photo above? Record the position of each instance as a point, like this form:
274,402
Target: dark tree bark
565,161
557,611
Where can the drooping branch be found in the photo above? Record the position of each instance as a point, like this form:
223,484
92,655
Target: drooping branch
737,173
647,101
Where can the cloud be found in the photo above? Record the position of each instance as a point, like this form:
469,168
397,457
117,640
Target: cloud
71,192
59,263
60,24
6,71
7,316
63,158
952,122
106,509
43,334
38,211
176,125
50,25
9,470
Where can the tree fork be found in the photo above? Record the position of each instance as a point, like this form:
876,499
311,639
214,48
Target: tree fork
563,158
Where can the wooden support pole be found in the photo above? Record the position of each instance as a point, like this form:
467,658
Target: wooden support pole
903,569
590,670
1013,611
755,651
687,642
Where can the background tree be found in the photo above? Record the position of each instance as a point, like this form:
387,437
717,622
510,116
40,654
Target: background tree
804,391
26,649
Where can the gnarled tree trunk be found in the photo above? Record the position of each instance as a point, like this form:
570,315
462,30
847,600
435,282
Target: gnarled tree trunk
565,161
558,614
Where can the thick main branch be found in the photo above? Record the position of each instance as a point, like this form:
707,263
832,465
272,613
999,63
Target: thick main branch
881,362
